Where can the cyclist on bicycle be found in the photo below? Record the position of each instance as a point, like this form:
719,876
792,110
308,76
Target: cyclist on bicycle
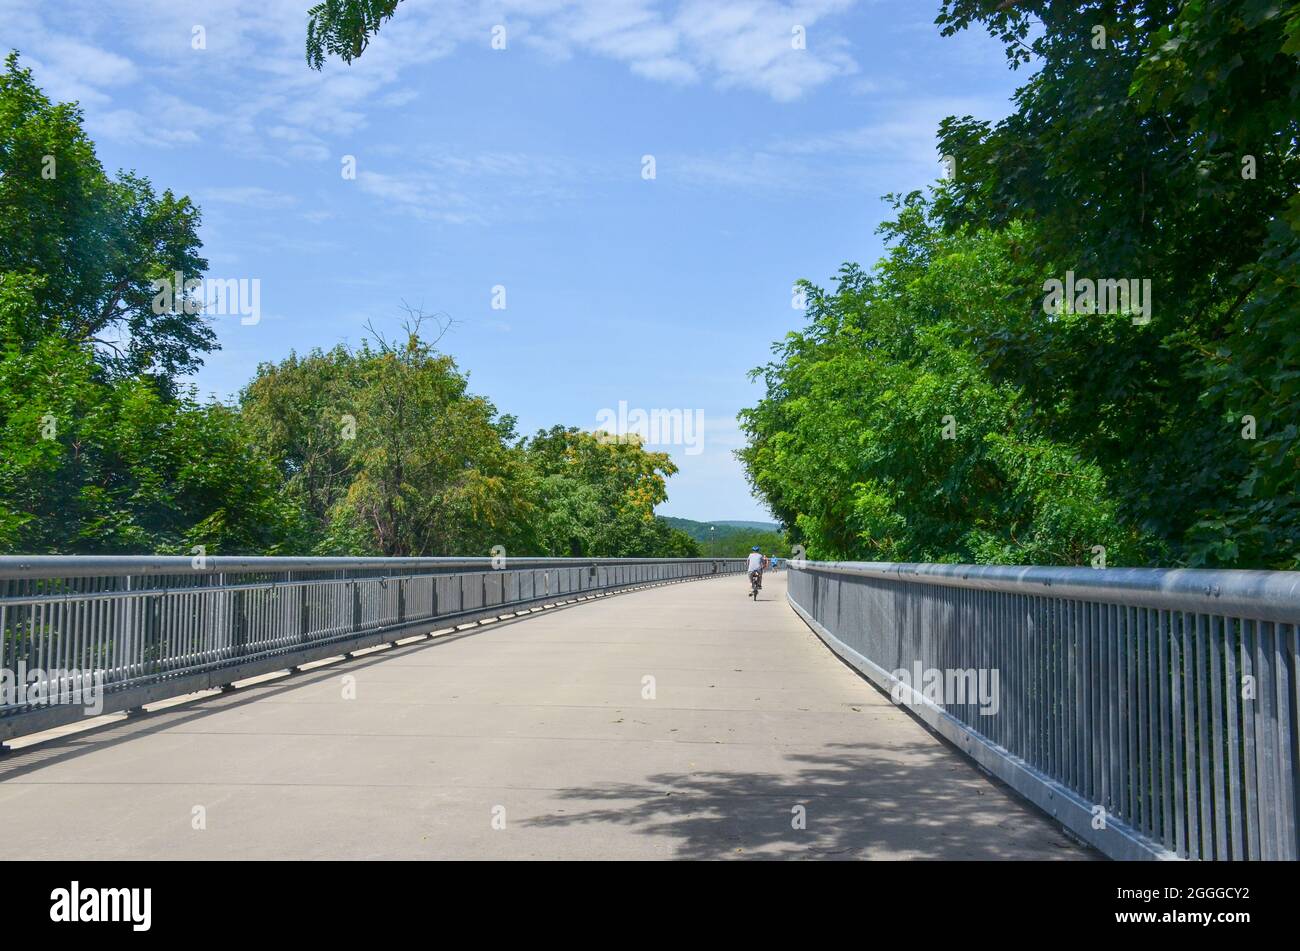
756,565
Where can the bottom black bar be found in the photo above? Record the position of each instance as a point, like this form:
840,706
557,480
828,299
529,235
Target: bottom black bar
994,902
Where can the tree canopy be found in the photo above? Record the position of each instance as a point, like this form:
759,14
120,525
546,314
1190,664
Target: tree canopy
884,437
344,28
1151,142
79,250
389,451
597,495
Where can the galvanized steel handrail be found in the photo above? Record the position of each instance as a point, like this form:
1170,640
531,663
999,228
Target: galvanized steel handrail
1259,595
1155,713
132,630
84,566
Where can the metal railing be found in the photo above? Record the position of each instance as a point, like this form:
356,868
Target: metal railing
135,630
1154,713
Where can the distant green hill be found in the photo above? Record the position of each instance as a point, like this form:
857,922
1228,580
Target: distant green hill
756,526
700,530
732,538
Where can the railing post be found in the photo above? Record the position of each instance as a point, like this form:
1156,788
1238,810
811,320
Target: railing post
304,612
241,622
356,604
152,637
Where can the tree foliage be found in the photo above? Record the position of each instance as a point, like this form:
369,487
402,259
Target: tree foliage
86,247
1153,140
730,539
883,436
390,452
93,465
597,496
102,448
344,28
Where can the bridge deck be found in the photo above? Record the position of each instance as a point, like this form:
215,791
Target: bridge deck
539,721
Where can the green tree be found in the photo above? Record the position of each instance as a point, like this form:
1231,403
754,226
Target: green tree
102,449
883,437
90,465
87,247
731,540
390,452
741,542
301,412
598,495
344,28
1156,140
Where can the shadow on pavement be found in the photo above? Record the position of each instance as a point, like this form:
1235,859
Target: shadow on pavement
917,801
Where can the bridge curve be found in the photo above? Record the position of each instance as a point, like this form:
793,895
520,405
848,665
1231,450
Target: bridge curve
673,722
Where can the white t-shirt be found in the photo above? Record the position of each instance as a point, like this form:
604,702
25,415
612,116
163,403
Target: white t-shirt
755,561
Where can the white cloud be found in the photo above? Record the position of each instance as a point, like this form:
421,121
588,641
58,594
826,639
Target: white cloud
441,185
68,69
260,97
742,44
250,93
667,69
740,168
900,145
122,125
749,44
250,196
421,196
90,63
906,134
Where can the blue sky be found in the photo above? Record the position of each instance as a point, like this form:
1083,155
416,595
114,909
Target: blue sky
523,168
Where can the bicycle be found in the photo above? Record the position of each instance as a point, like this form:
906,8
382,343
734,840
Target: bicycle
755,584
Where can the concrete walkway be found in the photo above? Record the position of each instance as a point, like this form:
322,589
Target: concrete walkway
539,725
